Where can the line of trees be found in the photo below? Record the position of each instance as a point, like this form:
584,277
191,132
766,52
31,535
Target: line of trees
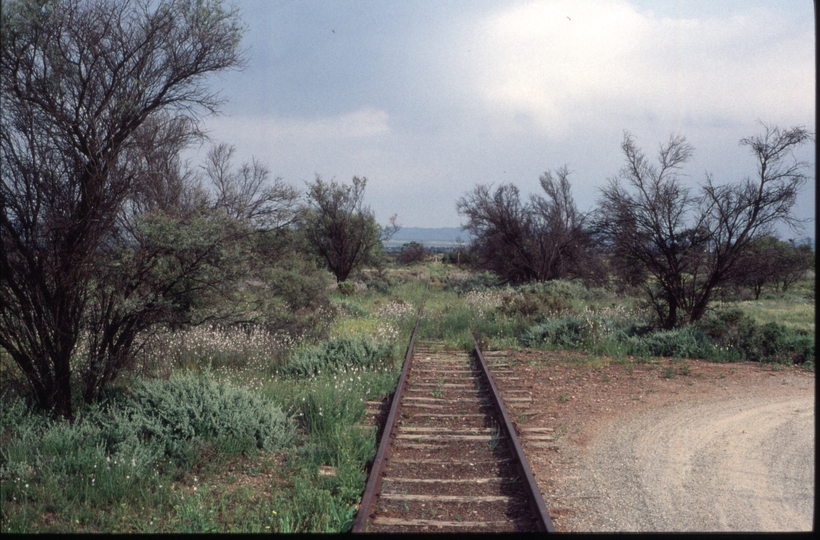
649,230
106,234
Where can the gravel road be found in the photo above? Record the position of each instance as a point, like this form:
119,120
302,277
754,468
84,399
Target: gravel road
733,462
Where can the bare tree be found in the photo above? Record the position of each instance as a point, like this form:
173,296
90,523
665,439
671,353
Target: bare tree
691,244
535,241
340,228
162,182
738,214
78,78
797,261
245,194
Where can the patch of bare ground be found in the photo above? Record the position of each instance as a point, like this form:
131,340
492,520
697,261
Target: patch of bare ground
667,444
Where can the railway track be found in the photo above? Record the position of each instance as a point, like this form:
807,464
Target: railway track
449,459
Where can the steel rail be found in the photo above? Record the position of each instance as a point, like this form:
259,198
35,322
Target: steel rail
373,486
539,509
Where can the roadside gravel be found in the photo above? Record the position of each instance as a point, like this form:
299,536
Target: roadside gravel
734,464
729,450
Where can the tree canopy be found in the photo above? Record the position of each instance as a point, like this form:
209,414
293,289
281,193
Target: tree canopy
691,243
340,228
93,92
538,240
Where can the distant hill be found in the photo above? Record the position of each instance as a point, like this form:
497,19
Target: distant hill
421,234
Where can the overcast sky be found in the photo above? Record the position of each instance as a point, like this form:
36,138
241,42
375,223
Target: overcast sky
427,98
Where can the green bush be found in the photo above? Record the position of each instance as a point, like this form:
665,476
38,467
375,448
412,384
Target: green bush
378,285
725,326
17,419
193,407
726,335
733,331
354,309
566,289
534,303
113,455
297,282
686,342
347,288
479,281
334,355
566,332
778,343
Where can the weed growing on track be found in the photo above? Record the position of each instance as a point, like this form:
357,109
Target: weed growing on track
252,431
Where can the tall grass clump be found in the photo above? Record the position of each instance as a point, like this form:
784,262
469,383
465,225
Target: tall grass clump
334,355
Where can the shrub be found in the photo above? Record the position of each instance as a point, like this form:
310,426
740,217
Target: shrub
297,282
778,343
735,331
17,418
112,455
534,303
378,285
686,342
189,408
354,309
412,252
567,289
566,332
334,355
479,281
724,326
70,458
347,288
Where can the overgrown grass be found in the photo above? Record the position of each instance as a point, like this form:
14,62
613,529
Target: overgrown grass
726,335
127,452
796,313
236,429
197,452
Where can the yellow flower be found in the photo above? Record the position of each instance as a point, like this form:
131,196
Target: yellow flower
273,512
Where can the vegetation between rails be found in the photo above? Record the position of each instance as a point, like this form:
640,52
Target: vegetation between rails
174,354
249,431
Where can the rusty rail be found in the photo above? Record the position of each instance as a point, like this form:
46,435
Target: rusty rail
537,505
373,481
373,490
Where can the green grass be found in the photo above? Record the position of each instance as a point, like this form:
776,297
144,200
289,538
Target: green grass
175,474
793,312
186,444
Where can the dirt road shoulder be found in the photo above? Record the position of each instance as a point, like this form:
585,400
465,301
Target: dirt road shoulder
669,445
